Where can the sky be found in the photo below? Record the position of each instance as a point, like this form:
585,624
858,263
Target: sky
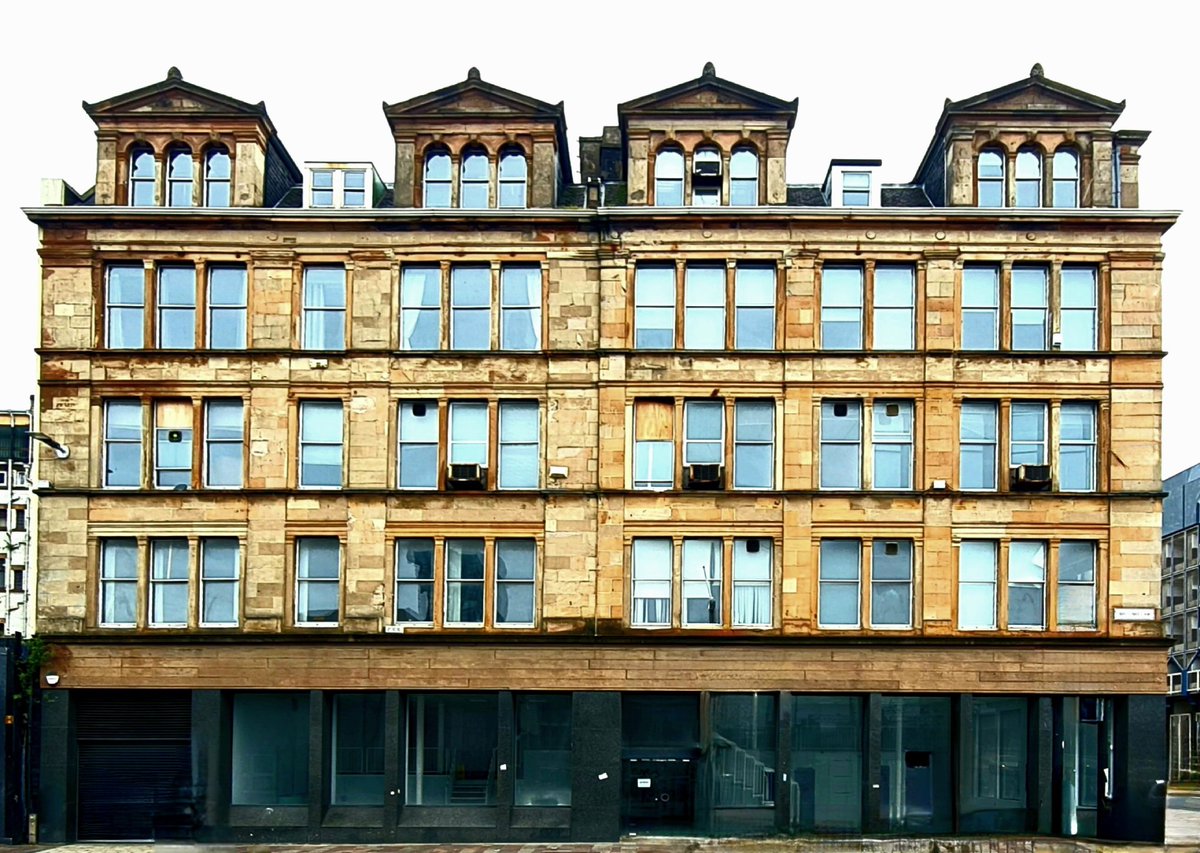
871,78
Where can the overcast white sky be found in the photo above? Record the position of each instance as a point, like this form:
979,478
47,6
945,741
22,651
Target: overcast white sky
871,79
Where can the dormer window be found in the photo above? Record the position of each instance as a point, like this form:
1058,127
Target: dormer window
743,177
217,174
322,188
1066,178
340,186
473,191
1029,178
706,177
179,177
513,174
142,176
991,178
856,189
438,178
668,178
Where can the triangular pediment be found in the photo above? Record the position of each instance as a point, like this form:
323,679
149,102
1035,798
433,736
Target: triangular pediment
709,93
176,96
473,96
1036,94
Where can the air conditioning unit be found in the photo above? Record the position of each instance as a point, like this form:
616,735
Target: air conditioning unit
1030,478
708,476
466,476
707,170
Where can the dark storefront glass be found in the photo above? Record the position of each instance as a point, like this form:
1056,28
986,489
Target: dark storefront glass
915,768
543,750
995,759
357,750
827,760
742,758
451,749
659,721
270,749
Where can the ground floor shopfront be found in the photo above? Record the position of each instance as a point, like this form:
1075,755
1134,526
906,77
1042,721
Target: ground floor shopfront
491,765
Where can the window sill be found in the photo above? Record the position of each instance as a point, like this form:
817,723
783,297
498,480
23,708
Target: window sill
316,625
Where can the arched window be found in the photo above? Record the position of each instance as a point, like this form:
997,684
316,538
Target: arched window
217,174
1029,178
179,177
513,172
141,176
668,178
743,177
473,190
706,177
991,178
1066,178
437,178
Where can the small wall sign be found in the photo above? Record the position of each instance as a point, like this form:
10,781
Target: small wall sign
1133,614
643,783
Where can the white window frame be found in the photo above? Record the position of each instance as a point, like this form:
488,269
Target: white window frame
690,444
1017,578
662,180
133,405
211,181
309,313
751,304
110,582
407,308
431,411
695,574
161,434
457,308
214,307
738,181
696,309
207,580
855,582
457,444
741,581
514,583
1090,585
430,583
1001,179
655,448
876,546
173,154
315,188
162,307
882,308
468,156
210,441
460,581
851,406
880,439
991,307
160,585
847,190
1025,156
969,578
303,581
704,195
111,306
642,302
639,580
1056,181
1089,445
511,407
533,308
1042,444
740,442
1068,277
507,154
447,182
1040,307
993,411
136,180
321,441
828,305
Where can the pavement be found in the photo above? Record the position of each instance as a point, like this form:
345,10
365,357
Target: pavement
1182,836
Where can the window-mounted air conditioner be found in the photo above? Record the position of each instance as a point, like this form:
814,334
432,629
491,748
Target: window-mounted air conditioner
465,476
706,169
1030,478
707,476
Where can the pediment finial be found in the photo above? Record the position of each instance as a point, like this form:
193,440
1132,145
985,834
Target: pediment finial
1036,71
710,70
473,73
174,74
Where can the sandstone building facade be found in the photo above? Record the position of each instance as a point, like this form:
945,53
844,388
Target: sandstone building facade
492,504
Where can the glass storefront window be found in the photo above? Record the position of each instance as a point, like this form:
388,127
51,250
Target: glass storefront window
827,758
543,750
742,757
450,754
270,749
357,750
915,764
993,781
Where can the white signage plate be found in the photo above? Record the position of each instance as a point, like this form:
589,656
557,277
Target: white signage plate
1133,614
643,783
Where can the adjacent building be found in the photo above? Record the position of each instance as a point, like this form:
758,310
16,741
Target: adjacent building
17,522
491,504
1181,618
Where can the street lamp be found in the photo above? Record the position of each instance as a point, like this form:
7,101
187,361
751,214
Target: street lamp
60,449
